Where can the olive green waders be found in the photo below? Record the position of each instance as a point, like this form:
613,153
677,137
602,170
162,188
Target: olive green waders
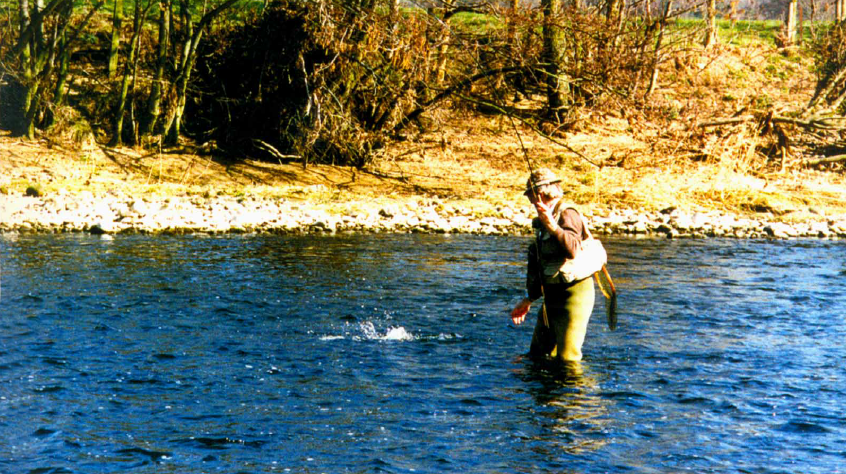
569,312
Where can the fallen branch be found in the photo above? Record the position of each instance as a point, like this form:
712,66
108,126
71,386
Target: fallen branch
827,159
270,149
453,89
540,132
384,175
729,121
813,123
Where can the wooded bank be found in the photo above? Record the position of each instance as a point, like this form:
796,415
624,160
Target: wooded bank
331,81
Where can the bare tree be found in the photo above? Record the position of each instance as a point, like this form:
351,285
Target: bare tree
443,46
193,34
790,22
553,44
44,41
656,58
130,70
511,26
117,23
830,92
710,23
154,101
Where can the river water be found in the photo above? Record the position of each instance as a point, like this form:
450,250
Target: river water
395,353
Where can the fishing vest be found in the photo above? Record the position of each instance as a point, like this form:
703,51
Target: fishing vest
556,267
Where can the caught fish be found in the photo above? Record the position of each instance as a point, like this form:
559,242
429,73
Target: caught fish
606,286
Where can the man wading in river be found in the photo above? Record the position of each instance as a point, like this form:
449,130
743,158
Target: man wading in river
568,296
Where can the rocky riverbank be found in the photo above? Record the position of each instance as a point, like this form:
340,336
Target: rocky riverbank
113,213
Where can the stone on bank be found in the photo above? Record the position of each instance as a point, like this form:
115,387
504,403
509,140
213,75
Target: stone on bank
119,213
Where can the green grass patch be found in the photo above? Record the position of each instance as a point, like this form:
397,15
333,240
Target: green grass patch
741,32
744,32
476,23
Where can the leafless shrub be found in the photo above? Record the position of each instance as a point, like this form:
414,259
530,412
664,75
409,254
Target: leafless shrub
830,56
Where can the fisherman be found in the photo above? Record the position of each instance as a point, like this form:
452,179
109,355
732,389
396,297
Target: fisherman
559,232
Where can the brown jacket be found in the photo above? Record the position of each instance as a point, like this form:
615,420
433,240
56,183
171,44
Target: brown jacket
554,249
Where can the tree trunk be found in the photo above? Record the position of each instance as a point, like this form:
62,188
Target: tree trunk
194,35
733,14
64,48
154,103
710,24
513,34
26,65
37,57
614,17
621,15
553,46
790,22
611,8
59,93
33,101
512,38
129,71
512,27
656,58
117,23
443,47
63,52
174,125
183,71
393,17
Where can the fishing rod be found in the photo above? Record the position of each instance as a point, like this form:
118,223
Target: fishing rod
535,198
605,283
532,185
603,277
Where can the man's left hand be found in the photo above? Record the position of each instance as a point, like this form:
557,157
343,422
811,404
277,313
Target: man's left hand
546,217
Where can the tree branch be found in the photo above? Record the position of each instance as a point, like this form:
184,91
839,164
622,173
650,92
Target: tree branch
36,20
827,159
816,123
271,150
426,105
544,134
729,121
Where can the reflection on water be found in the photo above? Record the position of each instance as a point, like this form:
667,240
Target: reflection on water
394,353
568,404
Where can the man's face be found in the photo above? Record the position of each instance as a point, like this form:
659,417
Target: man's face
544,198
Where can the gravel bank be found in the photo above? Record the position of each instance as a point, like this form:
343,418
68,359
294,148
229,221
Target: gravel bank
115,213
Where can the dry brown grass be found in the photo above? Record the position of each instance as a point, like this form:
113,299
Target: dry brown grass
473,163
650,158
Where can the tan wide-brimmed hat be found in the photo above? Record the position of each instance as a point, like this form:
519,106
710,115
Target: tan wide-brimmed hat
540,177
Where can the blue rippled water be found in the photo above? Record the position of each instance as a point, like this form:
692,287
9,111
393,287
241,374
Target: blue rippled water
380,353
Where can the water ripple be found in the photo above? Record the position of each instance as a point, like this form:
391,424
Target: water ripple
395,354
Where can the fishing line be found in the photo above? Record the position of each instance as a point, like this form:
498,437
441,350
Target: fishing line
602,277
533,186
499,102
